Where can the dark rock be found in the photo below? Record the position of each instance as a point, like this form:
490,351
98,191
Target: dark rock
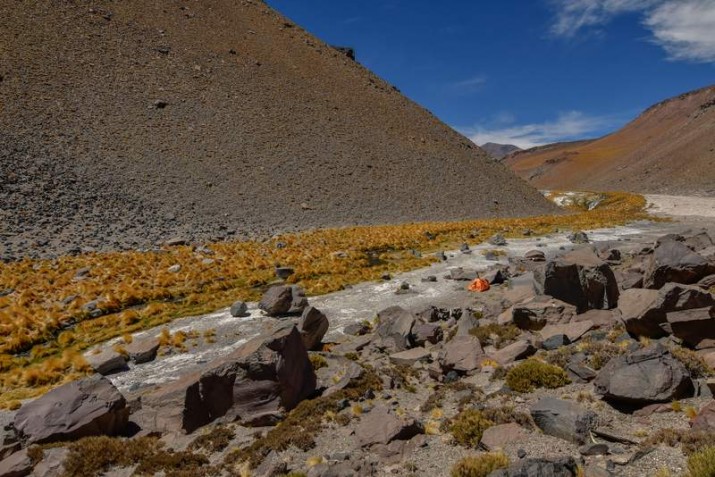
357,329
694,326
578,237
579,373
555,342
313,325
535,256
18,464
462,354
538,312
382,426
283,300
563,467
519,350
423,333
495,277
284,272
582,279
339,373
142,350
88,407
673,261
563,419
239,309
106,361
395,328
593,449
646,376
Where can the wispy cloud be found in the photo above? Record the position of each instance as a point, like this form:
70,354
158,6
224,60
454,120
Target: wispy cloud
567,126
684,28
469,85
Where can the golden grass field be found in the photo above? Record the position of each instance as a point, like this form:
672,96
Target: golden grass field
42,332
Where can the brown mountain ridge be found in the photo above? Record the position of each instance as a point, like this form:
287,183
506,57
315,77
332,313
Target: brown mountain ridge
132,122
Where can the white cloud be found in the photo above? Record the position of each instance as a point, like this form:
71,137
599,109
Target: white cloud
684,28
470,85
567,126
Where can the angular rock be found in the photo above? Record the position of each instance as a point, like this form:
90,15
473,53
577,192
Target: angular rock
18,464
519,350
410,356
395,328
579,373
694,327
283,300
239,309
424,333
256,383
460,274
522,288
106,361
382,426
313,325
462,354
707,283
646,376
88,407
497,437
563,419
599,318
535,256
573,331
644,312
578,237
705,420
497,240
495,277
536,313
673,261
555,342
699,241
582,279
339,373
142,350
563,467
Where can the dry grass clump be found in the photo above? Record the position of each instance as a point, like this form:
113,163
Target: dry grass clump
494,334
318,361
213,440
702,463
532,373
507,414
480,465
50,312
92,456
435,400
693,362
690,441
304,422
468,426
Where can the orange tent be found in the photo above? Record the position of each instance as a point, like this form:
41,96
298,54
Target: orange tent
478,285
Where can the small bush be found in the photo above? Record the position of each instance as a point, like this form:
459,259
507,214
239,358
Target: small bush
494,334
693,362
318,361
690,441
507,414
702,463
532,374
480,466
468,426
215,440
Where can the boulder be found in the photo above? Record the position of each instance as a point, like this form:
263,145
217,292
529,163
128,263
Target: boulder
52,463
563,467
705,420
519,350
106,361
563,419
427,333
644,311
395,328
699,242
673,261
18,464
646,376
462,354
497,437
338,374
599,318
706,283
540,311
88,407
410,356
535,256
239,309
522,288
382,426
578,237
256,383
573,331
142,350
313,325
694,327
283,300
582,279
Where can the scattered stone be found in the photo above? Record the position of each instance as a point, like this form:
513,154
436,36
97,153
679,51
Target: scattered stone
176,268
573,331
281,300
464,248
239,309
142,350
563,419
88,407
646,376
52,463
694,327
579,373
313,325
555,341
535,256
705,420
106,361
423,333
357,329
382,426
593,449
176,241
673,261
582,279
519,350
284,272
460,274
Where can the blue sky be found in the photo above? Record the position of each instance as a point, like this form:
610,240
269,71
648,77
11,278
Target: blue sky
526,72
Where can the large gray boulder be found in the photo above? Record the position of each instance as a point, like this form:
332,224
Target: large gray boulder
696,327
395,328
535,313
646,376
382,426
563,467
582,279
88,407
462,354
142,350
563,419
255,384
281,300
313,325
673,261
644,312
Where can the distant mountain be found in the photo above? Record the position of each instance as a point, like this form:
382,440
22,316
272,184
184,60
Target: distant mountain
669,148
499,151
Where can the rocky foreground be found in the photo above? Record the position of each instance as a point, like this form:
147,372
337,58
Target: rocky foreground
594,361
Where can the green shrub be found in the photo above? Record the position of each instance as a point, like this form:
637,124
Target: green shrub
532,374
702,463
480,466
468,426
